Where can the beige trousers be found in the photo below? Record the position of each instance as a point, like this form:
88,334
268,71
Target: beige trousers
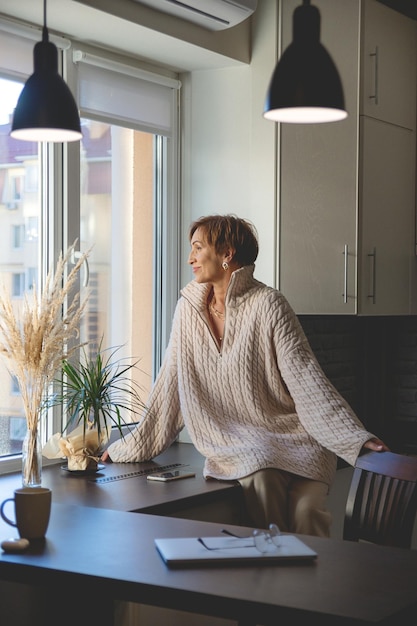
295,504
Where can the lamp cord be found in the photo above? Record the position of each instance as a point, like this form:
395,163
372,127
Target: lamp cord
44,29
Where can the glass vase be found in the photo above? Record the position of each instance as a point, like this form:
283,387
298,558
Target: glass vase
32,459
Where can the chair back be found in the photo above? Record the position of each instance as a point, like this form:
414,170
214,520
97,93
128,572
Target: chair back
382,501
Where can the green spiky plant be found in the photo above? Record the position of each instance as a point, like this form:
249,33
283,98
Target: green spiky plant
99,392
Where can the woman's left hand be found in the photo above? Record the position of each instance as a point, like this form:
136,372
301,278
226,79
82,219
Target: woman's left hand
376,445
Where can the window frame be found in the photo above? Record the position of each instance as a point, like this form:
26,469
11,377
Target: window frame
59,167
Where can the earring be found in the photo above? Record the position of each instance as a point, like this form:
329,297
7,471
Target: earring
225,266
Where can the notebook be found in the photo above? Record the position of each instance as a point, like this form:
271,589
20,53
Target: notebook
187,551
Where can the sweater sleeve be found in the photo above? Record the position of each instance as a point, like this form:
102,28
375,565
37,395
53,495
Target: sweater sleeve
323,412
162,420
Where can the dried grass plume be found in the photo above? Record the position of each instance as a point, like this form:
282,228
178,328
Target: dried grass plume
36,342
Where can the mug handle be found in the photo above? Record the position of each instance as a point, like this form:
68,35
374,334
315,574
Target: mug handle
3,515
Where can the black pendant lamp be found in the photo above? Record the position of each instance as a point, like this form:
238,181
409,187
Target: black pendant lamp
46,109
305,87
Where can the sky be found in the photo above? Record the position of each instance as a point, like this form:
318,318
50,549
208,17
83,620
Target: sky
9,93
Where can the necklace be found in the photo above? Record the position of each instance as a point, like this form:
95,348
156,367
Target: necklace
214,311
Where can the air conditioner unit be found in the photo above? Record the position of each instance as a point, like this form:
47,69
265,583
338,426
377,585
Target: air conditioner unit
211,14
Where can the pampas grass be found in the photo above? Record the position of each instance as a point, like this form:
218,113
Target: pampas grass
36,342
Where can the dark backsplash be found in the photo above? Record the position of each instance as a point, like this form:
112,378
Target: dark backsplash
372,362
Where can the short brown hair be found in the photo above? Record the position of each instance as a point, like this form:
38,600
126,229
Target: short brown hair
229,231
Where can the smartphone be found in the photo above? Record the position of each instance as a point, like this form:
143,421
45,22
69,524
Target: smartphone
171,475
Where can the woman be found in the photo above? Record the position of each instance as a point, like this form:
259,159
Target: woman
240,375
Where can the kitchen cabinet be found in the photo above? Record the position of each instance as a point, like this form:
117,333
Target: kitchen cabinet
346,189
386,217
318,202
388,62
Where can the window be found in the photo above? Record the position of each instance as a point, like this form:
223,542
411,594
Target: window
18,236
31,278
15,386
18,284
17,432
127,207
31,178
115,192
12,192
18,257
117,219
32,229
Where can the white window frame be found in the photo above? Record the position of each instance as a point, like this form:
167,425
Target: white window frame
59,189
167,240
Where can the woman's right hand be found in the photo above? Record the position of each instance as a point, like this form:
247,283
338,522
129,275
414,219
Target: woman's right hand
105,457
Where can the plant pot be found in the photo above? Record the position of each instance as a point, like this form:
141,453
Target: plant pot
82,463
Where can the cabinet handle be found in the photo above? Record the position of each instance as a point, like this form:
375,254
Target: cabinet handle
345,275
372,295
375,54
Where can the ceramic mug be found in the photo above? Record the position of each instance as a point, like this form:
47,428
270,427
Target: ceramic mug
32,511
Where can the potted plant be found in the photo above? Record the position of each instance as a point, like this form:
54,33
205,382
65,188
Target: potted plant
96,393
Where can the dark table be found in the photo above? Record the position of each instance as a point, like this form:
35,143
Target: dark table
97,555
97,551
123,486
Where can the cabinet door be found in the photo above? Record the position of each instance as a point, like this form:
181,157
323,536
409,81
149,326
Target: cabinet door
318,181
389,62
318,218
386,218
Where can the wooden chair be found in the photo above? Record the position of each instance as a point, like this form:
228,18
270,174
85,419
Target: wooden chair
382,501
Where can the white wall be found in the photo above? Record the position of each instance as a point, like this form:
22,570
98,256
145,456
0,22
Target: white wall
229,149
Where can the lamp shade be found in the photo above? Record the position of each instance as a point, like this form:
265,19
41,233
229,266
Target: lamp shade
46,109
305,86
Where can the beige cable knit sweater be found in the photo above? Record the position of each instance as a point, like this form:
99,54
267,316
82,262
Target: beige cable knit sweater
263,401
